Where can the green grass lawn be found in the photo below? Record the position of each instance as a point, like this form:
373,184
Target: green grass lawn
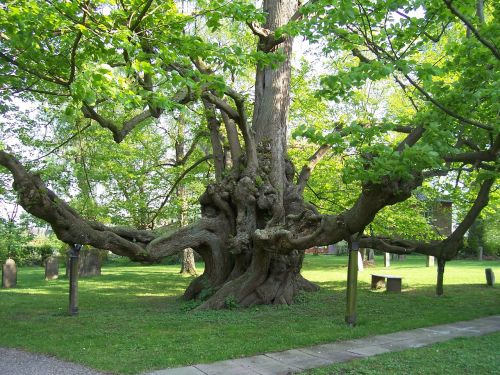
132,318
474,355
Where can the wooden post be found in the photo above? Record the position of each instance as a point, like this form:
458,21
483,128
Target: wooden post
490,277
352,281
73,278
440,274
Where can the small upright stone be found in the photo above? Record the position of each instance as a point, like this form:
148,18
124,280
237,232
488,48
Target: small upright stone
51,268
360,262
9,274
90,263
490,277
387,260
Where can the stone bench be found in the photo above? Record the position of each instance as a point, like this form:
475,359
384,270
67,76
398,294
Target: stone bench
393,283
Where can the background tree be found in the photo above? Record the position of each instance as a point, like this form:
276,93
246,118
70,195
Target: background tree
14,236
124,65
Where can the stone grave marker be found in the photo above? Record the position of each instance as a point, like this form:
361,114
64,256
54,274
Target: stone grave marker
490,277
9,274
51,268
90,262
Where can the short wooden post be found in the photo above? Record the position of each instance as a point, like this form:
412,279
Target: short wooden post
73,278
352,283
440,274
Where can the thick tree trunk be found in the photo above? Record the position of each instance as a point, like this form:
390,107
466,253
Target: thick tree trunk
440,276
188,265
258,199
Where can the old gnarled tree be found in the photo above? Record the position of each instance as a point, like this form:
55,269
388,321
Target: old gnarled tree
255,223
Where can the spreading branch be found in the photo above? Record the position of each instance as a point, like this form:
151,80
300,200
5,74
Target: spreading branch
445,249
68,225
120,132
305,173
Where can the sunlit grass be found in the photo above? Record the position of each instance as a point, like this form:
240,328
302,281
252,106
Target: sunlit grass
132,318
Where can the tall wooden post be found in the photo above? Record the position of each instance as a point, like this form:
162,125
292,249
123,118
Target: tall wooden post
74,255
352,283
440,275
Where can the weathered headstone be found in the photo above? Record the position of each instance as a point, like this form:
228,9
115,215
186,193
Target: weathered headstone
490,277
51,268
90,262
480,253
9,274
387,260
430,261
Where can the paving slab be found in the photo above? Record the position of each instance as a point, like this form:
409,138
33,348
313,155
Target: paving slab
432,336
493,317
190,370
331,352
384,339
265,365
368,351
398,336
397,346
299,359
225,367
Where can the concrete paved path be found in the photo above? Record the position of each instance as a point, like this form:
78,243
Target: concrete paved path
297,360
